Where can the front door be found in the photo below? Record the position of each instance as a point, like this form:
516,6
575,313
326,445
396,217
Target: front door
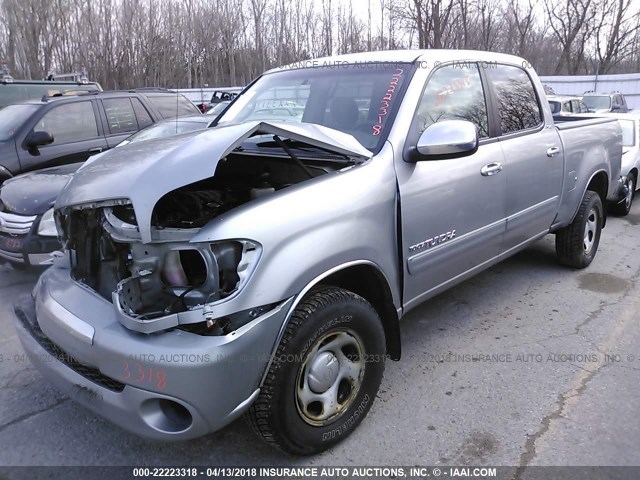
76,136
452,210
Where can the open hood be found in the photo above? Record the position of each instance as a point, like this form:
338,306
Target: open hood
144,172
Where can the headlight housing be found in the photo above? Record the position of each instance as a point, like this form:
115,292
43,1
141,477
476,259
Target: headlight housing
47,226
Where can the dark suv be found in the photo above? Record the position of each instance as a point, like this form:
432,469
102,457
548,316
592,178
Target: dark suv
67,129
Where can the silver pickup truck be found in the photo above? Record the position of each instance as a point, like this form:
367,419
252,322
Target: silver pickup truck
262,266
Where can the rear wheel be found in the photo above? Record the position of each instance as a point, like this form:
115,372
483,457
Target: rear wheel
325,374
577,243
621,209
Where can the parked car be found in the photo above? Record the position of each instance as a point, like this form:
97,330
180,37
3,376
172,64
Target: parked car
68,129
27,231
262,267
605,102
17,91
566,105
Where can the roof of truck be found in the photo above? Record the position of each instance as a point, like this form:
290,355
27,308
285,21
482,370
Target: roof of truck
431,57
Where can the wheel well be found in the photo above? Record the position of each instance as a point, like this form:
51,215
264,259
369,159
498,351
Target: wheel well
599,183
634,170
368,282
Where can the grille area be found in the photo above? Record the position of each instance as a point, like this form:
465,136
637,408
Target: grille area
16,224
52,349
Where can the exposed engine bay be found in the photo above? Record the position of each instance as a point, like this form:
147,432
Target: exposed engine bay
170,282
239,178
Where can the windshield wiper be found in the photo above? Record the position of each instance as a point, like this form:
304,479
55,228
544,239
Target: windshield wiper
305,147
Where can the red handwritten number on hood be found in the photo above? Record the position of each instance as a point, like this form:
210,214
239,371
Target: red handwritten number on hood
385,103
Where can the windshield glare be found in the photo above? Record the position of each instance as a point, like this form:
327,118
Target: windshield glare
12,118
352,98
165,129
597,102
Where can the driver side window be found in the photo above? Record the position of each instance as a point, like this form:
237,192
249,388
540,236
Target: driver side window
71,122
454,92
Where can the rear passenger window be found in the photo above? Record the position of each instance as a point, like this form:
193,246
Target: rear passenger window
71,122
144,119
517,101
171,106
454,92
120,115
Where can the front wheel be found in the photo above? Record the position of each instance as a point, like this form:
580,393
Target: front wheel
577,243
325,374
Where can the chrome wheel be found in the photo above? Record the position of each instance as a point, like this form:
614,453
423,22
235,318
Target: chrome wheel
629,197
590,230
329,378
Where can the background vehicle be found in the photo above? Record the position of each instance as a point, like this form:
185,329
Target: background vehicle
605,102
27,229
68,129
17,91
562,105
283,254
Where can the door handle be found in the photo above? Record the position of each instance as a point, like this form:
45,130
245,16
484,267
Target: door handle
491,169
553,151
95,150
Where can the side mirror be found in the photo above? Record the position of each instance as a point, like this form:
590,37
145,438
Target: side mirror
447,139
39,139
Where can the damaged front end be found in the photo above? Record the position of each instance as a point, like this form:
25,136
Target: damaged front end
138,253
159,285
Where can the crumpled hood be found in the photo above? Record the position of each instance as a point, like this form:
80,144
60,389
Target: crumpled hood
35,192
145,171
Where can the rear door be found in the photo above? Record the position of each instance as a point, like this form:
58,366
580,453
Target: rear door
122,117
533,155
76,131
453,210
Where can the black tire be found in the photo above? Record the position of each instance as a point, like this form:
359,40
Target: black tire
623,208
325,316
577,244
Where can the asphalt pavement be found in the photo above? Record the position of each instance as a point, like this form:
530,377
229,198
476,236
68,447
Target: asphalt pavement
528,363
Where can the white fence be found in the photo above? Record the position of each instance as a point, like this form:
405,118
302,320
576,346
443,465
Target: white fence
627,84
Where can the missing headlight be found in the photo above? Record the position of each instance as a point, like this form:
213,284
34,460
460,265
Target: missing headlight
184,268
236,260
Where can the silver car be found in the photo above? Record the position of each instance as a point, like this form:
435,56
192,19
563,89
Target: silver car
262,267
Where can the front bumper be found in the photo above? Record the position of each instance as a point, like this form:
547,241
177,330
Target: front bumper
621,190
169,385
30,249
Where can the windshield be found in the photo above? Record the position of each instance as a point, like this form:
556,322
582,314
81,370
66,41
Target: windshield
597,102
555,106
628,136
357,99
165,129
12,118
